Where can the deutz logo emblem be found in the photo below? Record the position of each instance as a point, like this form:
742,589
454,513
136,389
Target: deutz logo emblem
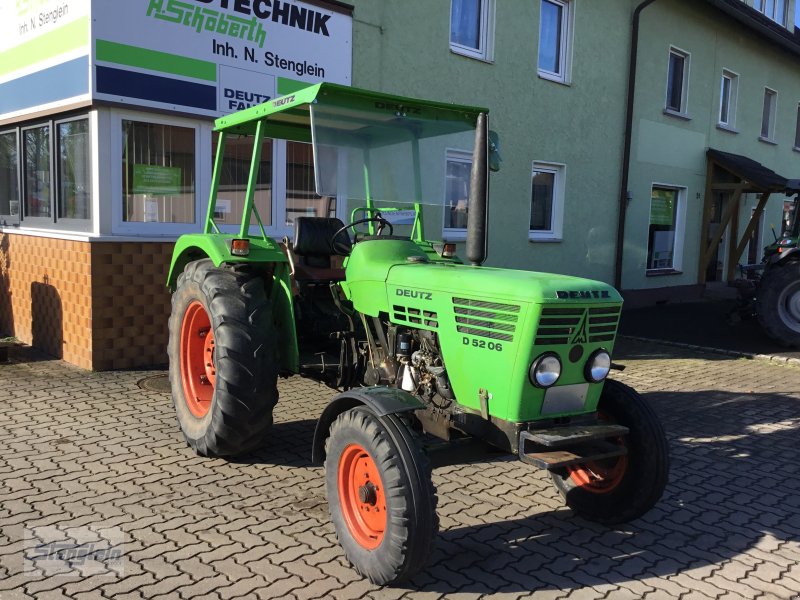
580,336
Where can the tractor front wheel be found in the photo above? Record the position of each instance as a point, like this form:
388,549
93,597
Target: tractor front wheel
778,303
620,489
222,364
380,495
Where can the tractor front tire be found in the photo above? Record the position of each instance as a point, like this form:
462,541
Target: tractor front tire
620,489
380,495
222,364
778,303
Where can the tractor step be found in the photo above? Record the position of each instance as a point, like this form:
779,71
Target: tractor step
559,437
557,459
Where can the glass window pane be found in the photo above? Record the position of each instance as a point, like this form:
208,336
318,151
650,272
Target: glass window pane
661,239
675,82
780,11
542,201
74,170
769,8
301,196
456,194
158,179
766,115
9,183
36,143
725,100
550,37
233,180
465,23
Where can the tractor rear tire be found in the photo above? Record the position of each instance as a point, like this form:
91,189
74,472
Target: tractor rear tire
618,490
778,303
380,495
222,360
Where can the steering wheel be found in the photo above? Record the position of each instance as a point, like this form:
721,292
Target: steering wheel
376,219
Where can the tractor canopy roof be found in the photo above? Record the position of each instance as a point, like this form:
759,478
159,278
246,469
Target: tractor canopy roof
289,117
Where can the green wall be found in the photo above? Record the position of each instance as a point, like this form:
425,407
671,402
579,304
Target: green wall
402,47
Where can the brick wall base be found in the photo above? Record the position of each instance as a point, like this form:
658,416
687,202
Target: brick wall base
98,305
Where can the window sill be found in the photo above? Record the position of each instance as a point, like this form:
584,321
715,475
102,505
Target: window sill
534,239
728,128
467,53
766,140
662,272
678,115
554,78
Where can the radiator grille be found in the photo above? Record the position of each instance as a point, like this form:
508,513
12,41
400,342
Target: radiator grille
415,316
491,320
572,325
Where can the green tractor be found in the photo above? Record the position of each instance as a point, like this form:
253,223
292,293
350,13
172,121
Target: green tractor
777,295
425,350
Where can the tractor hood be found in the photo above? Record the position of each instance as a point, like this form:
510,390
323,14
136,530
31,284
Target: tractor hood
500,284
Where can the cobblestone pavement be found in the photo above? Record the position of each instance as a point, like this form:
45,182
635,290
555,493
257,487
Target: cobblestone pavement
93,455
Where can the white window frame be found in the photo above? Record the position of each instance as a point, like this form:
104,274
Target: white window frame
772,118
796,145
556,231
680,229
202,172
760,6
485,49
733,96
564,74
453,234
683,112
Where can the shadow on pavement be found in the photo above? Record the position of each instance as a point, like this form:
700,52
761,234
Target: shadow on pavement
734,487
707,324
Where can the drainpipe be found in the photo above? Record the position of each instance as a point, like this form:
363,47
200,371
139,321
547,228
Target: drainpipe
626,153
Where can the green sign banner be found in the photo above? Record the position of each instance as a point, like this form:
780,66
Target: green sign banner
662,207
154,179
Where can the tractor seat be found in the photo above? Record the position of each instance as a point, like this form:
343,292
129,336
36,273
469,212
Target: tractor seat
314,249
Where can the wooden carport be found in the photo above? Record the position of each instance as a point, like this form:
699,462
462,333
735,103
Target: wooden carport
738,175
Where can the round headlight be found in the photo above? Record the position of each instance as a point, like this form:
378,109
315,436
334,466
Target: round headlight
545,370
598,366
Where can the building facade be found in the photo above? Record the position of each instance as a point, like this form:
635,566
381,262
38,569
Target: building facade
607,114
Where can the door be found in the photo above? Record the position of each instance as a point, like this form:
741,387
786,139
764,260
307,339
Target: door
716,266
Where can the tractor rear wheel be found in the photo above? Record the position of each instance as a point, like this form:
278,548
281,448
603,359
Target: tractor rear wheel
778,303
222,364
380,495
620,489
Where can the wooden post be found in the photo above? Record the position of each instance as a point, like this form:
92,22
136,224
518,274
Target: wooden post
707,204
762,202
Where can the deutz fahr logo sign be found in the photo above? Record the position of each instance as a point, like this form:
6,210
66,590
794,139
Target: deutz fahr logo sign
247,24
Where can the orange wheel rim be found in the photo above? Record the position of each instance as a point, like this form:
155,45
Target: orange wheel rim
198,373
362,497
602,476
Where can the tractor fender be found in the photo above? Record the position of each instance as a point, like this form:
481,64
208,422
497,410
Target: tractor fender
790,254
381,400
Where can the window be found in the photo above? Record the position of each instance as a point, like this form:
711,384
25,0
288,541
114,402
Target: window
36,150
677,82
547,202
233,180
301,195
74,170
664,241
9,179
768,115
471,24
158,173
555,40
728,93
774,9
796,138
456,194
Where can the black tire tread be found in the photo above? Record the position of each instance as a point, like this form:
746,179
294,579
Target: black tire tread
247,371
772,283
406,473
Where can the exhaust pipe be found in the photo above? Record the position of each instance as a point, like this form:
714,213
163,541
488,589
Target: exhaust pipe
478,217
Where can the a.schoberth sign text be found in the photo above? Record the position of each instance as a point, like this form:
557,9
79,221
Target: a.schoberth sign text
213,57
